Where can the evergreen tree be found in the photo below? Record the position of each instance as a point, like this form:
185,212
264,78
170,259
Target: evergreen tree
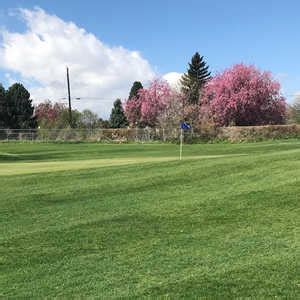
117,117
3,108
193,81
19,108
134,90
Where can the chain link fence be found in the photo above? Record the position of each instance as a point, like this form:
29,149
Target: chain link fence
123,135
96,135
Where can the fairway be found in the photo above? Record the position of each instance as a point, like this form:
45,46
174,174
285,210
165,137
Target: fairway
131,220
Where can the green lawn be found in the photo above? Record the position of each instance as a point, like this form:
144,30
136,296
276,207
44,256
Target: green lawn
95,220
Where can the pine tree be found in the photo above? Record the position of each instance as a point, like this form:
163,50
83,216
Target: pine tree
193,81
19,108
117,117
3,108
135,88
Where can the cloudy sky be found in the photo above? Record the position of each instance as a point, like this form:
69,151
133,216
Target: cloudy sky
109,44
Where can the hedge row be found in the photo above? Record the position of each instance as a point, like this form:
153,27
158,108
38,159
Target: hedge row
258,133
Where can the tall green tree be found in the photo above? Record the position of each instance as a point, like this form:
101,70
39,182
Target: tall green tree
195,78
134,89
117,117
3,108
19,108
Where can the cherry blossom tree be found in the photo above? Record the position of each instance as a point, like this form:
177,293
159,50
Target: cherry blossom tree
243,95
49,111
51,115
132,108
154,100
173,112
145,108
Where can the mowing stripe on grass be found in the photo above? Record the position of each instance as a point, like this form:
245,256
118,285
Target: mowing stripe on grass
52,166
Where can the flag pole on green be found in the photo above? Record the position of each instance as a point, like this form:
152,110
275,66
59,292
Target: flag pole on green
183,127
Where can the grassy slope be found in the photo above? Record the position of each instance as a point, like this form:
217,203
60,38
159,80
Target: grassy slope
215,227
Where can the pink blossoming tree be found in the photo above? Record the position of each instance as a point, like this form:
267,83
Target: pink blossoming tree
48,112
132,108
173,112
149,104
243,95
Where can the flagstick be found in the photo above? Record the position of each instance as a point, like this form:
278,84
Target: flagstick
181,142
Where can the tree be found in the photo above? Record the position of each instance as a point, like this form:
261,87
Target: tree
117,116
154,100
103,123
133,111
51,115
88,119
3,108
19,108
133,105
48,114
144,109
64,118
243,95
56,116
295,111
173,113
135,89
194,80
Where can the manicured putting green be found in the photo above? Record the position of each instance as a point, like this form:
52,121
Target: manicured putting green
110,221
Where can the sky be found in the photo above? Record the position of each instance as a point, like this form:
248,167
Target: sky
109,44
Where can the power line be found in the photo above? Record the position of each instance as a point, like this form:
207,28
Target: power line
91,98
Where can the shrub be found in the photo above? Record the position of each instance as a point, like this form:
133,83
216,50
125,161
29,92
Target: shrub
258,133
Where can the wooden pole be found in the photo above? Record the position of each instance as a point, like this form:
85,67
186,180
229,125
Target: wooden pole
69,97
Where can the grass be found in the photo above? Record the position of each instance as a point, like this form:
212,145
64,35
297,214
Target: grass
92,220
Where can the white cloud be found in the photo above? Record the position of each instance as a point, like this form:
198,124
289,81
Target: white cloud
173,78
41,53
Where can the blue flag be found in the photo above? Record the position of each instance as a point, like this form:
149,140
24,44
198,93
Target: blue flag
185,125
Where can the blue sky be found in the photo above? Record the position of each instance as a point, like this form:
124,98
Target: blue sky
166,33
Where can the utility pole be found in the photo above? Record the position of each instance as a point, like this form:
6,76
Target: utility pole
69,97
